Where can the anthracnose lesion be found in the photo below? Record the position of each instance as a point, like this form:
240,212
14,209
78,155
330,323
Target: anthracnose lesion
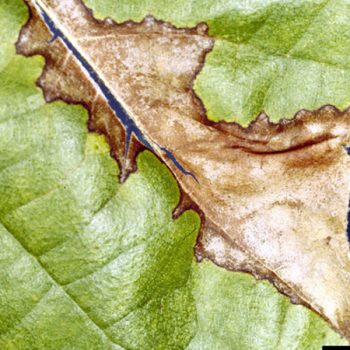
113,103
128,123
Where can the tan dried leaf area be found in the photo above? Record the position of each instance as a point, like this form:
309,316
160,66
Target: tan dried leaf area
273,197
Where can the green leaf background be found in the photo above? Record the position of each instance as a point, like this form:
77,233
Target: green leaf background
89,263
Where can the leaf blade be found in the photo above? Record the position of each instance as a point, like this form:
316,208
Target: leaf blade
76,117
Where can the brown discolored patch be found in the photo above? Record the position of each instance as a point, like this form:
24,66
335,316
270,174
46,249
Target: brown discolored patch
273,198
63,78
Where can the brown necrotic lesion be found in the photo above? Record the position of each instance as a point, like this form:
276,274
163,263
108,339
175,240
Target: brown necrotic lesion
273,197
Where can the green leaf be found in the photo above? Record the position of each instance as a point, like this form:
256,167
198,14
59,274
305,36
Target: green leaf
272,56
88,263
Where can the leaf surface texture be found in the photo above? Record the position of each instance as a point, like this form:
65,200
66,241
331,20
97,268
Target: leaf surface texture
78,259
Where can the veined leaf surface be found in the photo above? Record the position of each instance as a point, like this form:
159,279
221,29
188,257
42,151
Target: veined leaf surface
90,263
265,190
